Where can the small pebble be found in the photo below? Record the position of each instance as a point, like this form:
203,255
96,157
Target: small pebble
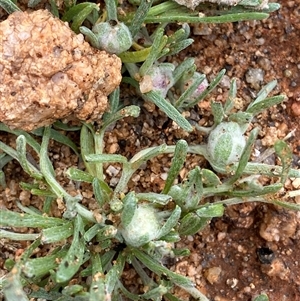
213,275
221,235
255,77
296,183
264,63
296,108
201,29
112,171
276,269
232,282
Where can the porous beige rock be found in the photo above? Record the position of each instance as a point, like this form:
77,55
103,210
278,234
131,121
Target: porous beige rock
47,72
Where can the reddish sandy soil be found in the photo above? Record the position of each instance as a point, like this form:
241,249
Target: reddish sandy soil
253,248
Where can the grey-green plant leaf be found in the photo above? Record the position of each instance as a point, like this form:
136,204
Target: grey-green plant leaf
76,9
33,3
41,192
101,191
84,12
193,189
189,91
71,290
158,268
272,188
102,232
14,219
283,151
47,171
192,223
29,168
30,209
114,104
105,158
229,104
263,93
186,65
9,6
153,197
176,165
210,211
87,147
113,274
130,203
217,111
2,179
171,222
76,174
209,178
178,194
265,104
74,258
112,116
211,87
14,154
155,293
245,156
262,297
139,16
179,46
172,236
97,288
158,44
268,170
58,233
57,136
4,159
13,289
147,154
18,236
168,109
43,294
181,16
92,38
39,267
241,117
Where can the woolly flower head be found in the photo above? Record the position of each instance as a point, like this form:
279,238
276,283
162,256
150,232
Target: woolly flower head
143,227
113,36
158,78
225,145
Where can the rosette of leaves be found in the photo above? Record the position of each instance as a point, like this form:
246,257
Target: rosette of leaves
112,233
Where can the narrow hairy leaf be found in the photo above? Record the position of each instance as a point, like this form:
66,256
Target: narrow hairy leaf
176,165
71,263
130,203
191,223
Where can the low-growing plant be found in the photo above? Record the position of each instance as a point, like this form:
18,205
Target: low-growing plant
139,222
131,228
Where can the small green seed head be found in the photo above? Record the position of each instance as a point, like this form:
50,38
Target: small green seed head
225,145
113,36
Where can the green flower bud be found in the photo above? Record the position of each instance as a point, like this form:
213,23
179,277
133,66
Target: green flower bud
113,36
225,145
143,227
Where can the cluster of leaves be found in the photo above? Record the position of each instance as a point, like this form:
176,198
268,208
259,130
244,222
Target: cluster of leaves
117,235
143,248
